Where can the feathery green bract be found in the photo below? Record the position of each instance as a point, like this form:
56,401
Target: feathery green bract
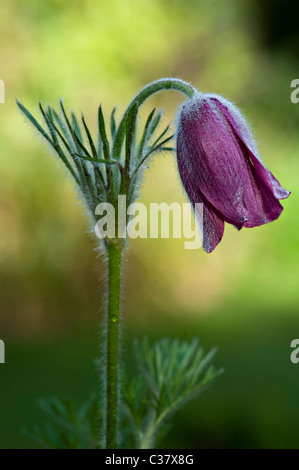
76,126
130,134
160,136
69,426
81,146
92,146
34,122
65,132
144,137
171,372
103,134
152,150
100,177
154,124
113,123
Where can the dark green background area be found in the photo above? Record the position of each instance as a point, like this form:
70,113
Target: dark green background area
243,298
254,404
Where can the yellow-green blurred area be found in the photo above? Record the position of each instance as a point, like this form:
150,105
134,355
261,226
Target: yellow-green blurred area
243,297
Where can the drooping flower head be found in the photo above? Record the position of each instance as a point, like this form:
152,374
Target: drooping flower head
220,167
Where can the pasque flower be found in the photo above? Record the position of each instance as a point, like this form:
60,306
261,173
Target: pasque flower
220,167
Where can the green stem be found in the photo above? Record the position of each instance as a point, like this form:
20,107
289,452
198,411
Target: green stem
142,95
147,438
114,262
115,249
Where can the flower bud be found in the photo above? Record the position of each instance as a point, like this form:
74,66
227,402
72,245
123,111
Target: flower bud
219,167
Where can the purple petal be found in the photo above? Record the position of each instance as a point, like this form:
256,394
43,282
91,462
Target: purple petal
219,166
269,188
213,224
213,228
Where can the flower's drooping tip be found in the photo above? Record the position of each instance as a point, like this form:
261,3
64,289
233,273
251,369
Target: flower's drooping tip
219,167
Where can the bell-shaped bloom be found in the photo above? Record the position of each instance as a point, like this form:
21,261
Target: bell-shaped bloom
219,167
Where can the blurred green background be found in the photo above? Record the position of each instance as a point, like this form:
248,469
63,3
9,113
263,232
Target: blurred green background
244,297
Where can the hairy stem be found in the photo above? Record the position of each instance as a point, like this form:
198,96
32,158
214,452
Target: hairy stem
114,261
126,127
142,95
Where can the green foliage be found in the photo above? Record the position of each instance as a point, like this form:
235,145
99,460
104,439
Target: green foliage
101,179
171,372
113,59
70,427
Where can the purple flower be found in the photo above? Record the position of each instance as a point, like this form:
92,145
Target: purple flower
219,166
